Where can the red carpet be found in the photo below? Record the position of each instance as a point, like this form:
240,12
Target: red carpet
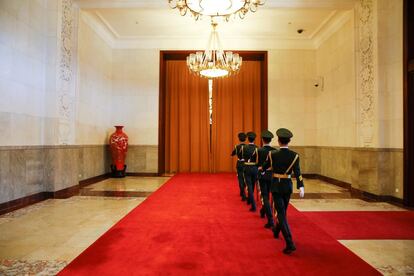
196,225
365,225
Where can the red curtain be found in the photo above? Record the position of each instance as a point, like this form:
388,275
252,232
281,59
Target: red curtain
236,107
187,133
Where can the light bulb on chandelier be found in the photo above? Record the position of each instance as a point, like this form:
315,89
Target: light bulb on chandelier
214,62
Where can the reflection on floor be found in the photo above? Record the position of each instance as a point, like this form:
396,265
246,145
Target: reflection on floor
44,237
125,187
348,204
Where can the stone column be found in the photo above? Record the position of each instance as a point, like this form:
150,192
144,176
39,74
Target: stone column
366,67
66,71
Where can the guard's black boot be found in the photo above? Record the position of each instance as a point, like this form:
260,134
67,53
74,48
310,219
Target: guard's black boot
289,249
268,225
275,232
252,209
262,212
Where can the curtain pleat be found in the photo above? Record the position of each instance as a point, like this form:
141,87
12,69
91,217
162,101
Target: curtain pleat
187,129
236,108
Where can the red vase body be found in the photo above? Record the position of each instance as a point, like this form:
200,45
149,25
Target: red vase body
118,143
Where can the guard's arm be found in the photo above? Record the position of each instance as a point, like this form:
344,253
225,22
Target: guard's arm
298,175
266,163
233,153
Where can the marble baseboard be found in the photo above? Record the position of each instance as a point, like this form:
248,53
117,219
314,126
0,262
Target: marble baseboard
30,170
376,171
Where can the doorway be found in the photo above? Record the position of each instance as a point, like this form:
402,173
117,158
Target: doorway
239,103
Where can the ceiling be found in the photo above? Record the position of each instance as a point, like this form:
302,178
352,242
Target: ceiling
126,22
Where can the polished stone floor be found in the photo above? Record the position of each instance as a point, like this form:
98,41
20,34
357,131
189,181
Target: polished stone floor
41,239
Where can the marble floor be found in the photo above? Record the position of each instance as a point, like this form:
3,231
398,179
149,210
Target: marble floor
42,238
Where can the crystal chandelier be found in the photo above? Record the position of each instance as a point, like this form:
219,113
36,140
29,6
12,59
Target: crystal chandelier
216,8
214,62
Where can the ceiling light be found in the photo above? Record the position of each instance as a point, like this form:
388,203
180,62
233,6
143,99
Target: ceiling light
214,62
216,8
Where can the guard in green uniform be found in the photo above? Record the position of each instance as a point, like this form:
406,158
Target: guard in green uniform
283,163
265,178
238,151
250,157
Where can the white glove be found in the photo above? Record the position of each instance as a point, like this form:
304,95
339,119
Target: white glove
302,192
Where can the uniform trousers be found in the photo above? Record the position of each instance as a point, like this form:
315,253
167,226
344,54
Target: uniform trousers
265,190
281,201
240,178
250,176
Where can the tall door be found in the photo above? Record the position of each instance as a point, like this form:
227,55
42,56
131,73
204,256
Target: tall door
189,140
236,107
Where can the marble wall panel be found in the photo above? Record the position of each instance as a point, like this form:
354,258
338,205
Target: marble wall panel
6,183
310,159
18,173
61,168
366,178
32,169
27,170
377,171
336,163
93,161
142,159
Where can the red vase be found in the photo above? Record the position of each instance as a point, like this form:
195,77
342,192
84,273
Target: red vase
118,143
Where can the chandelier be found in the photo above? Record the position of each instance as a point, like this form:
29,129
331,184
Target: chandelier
216,8
214,62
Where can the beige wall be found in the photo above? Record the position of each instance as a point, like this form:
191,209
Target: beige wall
94,101
291,94
335,111
23,50
135,93
390,73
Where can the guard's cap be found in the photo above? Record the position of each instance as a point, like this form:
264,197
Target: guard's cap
267,134
251,135
242,136
284,133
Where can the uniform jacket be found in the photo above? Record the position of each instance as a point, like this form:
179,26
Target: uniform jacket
238,150
280,162
250,153
263,153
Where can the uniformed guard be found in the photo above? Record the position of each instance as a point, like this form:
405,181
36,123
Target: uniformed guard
283,163
250,157
265,178
238,151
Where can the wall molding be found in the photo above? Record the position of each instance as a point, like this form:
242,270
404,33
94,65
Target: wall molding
330,27
335,20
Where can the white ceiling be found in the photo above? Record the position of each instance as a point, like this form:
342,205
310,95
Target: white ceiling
126,23
334,4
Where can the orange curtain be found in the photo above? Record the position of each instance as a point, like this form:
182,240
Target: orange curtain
236,108
187,129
